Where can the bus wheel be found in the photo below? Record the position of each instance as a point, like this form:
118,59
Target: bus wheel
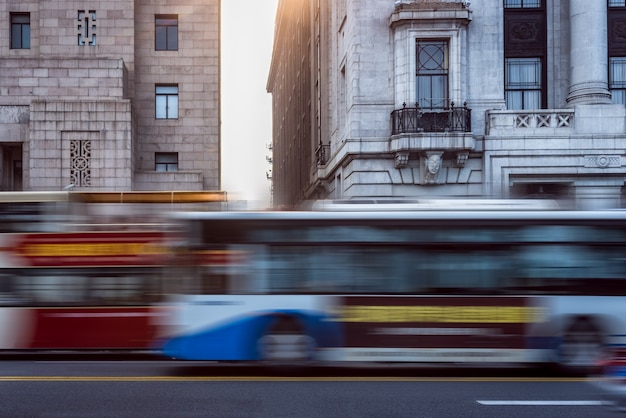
582,347
286,342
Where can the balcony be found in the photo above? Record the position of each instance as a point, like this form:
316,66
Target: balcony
322,154
539,122
444,128
419,119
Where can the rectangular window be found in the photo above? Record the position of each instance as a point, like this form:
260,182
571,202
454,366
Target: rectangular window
20,30
522,4
432,74
523,83
617,79
166,161
167,101
617,3
166,32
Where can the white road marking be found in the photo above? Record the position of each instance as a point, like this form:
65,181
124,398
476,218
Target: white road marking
543,403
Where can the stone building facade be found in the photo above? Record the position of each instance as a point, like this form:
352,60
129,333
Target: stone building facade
109,95
450,98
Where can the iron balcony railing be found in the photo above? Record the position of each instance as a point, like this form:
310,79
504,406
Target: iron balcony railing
419,119
322,154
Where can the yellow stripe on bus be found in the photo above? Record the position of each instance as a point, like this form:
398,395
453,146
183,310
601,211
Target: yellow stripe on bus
458,314
90,250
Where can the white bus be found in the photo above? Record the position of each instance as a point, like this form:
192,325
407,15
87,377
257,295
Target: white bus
449,285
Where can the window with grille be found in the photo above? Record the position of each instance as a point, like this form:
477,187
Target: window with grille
86,27
432,68
80,163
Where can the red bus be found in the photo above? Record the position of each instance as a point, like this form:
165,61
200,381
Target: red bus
83,270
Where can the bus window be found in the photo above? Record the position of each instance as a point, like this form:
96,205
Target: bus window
462,270
339,269
572,269
219,269
118,290
52,288
213,282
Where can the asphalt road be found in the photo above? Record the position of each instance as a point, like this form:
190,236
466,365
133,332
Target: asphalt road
68,387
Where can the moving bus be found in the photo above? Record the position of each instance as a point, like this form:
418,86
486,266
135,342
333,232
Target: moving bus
83,270
431,283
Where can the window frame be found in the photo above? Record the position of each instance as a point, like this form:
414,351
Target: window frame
616,51
525,37
166,160
523,4
617,86
86,28
430,75
22,27
164,22
167,96
524,87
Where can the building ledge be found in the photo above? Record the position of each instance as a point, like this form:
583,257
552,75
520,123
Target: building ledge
448,141
429,11
168,180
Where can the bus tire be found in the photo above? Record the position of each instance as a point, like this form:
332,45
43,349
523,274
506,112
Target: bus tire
286,343
582,347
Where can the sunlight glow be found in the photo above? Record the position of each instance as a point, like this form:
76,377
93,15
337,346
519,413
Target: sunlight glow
247,39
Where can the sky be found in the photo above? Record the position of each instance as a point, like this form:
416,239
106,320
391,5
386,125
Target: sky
247,40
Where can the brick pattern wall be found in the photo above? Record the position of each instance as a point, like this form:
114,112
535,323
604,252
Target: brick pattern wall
195,68
26,79
53,127
105,93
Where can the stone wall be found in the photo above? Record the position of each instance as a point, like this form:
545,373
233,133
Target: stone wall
194,67
89,79
85,143
25,79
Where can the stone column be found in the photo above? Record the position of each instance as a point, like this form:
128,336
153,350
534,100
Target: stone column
588,53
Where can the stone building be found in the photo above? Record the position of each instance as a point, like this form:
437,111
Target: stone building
449,98
109,95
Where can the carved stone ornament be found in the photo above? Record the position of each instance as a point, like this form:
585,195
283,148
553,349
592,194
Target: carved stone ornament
461,158
619,30
402,159
525,31
432,167
603,161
